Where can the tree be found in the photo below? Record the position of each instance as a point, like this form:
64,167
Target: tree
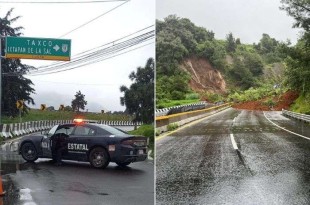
298,63
68,108
254,63
79,102
231,43
298,60
139,98
238,42
14,85
266,44
241,74
299,9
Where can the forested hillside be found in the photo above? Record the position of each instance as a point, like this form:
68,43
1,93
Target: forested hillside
235,66
193,64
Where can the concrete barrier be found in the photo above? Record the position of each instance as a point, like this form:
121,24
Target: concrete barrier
180,119
118,123
19,129
5,131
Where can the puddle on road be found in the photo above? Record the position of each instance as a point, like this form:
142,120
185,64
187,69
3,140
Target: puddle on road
13,194
11,167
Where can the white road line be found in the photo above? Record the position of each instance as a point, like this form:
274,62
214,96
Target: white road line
286,129
233,141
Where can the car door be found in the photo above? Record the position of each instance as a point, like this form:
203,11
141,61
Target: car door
79,142
46,143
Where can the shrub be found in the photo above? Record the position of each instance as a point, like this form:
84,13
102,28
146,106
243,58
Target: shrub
269,102
192,96
172,126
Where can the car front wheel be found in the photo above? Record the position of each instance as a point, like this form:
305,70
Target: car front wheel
99,158
29,152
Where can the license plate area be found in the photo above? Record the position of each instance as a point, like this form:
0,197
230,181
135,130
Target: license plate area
140,151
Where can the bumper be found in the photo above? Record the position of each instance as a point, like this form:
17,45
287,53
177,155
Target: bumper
133,158
125,153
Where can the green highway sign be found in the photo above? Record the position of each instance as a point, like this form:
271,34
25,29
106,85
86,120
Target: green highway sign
38,48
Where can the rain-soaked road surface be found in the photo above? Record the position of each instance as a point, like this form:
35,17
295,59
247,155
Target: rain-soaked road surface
74,183
198,164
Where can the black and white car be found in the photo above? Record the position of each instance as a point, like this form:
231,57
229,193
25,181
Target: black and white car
89,142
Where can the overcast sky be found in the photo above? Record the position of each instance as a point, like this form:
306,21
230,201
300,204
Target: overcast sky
246,19
99,82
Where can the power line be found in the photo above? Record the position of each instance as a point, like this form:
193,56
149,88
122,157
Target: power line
92,54
89,50
90,84
105,51
93,61
84,24
58,2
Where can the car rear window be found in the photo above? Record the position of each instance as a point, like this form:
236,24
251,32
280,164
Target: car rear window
112,130
81,130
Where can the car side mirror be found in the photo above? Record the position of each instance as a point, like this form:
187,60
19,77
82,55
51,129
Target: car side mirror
44,132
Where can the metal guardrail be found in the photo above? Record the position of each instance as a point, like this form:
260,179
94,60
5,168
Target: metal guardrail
182,108
297,116
162,122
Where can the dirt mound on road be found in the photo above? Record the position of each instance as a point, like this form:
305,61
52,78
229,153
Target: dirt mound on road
283,102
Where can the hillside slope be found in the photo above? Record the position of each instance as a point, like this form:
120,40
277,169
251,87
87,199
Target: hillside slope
203,76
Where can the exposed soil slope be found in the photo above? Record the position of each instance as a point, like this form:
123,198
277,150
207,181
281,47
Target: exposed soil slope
283,102
203,76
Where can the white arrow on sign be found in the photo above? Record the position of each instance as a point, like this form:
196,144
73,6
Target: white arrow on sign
56,47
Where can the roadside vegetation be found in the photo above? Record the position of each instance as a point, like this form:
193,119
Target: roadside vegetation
255,94
37,115
171,103
302,104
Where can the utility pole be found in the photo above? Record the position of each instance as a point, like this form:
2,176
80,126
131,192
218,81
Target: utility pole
0,79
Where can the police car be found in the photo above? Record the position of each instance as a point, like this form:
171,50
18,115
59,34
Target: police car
89,142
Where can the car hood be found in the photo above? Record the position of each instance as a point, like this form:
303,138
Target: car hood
32,137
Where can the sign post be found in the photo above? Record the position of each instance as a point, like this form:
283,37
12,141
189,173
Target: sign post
43,107
20,106
0,79
38,48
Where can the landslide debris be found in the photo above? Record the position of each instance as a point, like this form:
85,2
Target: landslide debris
282,102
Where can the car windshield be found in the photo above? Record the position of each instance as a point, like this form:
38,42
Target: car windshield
112,130
53,130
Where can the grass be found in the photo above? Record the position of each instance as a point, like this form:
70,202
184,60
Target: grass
37,115
147,131
171,103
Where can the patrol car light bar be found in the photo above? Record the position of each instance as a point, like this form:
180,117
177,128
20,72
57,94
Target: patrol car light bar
78,120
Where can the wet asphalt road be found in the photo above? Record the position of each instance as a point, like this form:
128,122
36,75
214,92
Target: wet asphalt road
198,164
75,183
